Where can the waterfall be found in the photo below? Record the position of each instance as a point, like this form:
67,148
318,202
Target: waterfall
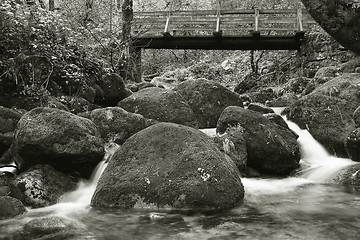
79,200
316,163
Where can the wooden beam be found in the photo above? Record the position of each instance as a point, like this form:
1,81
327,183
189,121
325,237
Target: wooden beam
299,20
166,32
223,43
256,32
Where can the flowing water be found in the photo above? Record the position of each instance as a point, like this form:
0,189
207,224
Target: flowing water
308,206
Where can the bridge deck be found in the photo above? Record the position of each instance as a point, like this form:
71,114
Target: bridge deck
221,29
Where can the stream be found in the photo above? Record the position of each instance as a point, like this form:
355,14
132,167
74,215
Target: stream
308,206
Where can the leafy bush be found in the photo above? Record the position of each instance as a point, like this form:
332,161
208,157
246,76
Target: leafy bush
39,53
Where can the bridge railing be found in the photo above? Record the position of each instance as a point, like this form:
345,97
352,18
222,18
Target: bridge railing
221,22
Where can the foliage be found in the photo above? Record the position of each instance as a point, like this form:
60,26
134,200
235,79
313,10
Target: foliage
40,53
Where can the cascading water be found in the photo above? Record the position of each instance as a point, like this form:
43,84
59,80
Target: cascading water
317,164
79,200
299,207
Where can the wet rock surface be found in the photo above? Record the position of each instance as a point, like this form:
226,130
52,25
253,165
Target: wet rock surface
116,124
233,144
352,145
327,113
10,207
350,177
41,186
58,138
161,105
207,99
271,148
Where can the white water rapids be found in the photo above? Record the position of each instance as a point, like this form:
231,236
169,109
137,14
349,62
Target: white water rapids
317,166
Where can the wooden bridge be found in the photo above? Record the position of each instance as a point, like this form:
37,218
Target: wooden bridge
252,29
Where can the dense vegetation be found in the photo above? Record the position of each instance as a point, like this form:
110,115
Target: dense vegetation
66,51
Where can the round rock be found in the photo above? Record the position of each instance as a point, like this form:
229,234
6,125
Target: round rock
207,99
169,166
58,138
10,207
162,105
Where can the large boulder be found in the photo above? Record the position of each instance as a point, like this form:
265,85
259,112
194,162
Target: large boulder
41,186
160,104
261,108
10,207
54,227
207,99
233,144
271,148
113,90
356,117
8,122
352,145
349,176
116,124
326,73
61,139
340,18
169,166
327,113
263,95
76,104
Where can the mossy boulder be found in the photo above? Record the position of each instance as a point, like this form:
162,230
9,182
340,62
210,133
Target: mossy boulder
161,105
271,148
261,108
352,145
8,122
327,112
116,124
207,99
112,91
58,138
41,186
54,227
349,176
10,207
356,117
169,166
233,144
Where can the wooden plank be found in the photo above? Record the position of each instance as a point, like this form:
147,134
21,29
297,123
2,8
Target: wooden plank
265,20
152,13
237,11
299,21
277,29
196,12
239,19
218,22
166,29
257,20
278,11
194,29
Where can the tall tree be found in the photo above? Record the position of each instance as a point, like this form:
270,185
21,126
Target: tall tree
132,56
340,18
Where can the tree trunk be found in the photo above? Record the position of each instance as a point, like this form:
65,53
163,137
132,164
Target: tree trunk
132,56
339,18
88,9
51,5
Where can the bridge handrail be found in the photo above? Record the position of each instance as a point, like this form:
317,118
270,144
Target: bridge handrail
219,20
